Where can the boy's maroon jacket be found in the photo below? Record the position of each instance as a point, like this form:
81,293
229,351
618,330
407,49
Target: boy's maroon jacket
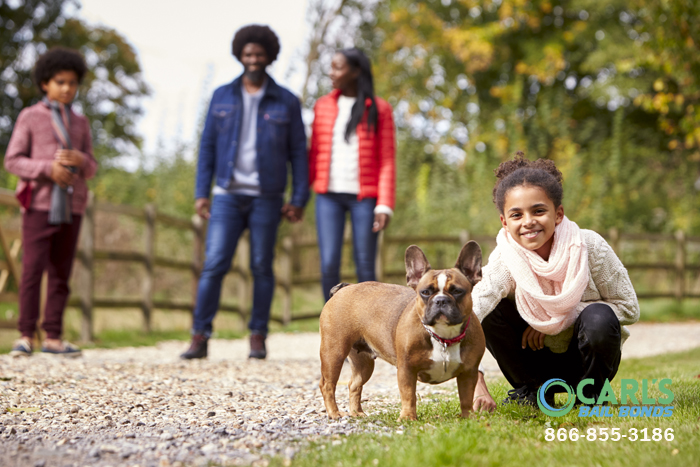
32,149
377,150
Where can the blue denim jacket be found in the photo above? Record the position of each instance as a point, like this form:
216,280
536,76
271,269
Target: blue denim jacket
280,139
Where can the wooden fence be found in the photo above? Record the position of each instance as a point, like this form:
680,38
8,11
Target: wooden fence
290,252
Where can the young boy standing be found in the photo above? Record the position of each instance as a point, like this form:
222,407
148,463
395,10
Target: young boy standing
50,145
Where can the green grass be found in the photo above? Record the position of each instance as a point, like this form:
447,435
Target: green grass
514,435
669,310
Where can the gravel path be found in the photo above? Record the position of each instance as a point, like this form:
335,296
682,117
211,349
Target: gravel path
145,407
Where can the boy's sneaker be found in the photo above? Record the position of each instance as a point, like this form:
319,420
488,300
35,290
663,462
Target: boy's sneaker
526,396
67,350
21,348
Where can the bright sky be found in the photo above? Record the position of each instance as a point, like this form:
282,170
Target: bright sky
180,44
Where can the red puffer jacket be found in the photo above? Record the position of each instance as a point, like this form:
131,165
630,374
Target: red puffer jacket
377,169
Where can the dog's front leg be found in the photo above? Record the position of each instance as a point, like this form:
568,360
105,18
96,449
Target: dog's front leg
407,379
466,383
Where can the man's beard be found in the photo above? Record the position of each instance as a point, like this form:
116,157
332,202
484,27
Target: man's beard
255,76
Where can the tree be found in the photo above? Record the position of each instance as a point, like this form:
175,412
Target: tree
333,25
109,95
593,85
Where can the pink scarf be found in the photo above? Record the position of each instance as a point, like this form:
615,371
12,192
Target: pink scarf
547,292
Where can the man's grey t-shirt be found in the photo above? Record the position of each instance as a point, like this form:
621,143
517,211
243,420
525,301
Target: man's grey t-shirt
245,179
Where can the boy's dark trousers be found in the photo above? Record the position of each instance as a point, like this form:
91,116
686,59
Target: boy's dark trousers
48,248
594,351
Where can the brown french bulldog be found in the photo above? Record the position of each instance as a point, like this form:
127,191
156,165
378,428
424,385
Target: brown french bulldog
426,330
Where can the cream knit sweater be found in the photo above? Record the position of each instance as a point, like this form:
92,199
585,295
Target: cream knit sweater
608,283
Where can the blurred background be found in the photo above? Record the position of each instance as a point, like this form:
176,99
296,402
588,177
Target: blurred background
609,90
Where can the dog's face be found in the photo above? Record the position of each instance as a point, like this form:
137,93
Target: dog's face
444,296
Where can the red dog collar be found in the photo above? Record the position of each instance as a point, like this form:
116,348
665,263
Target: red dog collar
449,342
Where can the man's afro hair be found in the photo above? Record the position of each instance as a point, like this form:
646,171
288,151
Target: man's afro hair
256,34
56,60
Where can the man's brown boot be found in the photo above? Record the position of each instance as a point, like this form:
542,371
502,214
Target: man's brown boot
257,346
198,347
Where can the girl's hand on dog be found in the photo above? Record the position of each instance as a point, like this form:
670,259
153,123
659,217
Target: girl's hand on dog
533,339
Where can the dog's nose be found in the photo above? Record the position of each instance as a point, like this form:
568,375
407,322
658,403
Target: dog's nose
441,300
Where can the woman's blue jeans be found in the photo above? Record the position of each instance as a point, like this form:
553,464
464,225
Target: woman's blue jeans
331,209
231,214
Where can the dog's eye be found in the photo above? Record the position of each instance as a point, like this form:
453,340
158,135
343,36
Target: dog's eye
426,293
457,292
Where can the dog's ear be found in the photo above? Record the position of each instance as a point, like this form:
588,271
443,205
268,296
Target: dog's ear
469,261
416,265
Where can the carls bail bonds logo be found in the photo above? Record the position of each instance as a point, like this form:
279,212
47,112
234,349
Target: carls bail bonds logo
548,409
631,405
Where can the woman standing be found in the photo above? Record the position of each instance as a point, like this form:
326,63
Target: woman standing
351,164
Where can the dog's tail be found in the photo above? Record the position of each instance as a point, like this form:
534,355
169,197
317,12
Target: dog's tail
335,288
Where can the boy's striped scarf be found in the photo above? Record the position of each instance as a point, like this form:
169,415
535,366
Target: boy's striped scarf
61,198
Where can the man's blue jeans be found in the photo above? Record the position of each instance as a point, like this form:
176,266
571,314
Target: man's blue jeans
231,214
331,209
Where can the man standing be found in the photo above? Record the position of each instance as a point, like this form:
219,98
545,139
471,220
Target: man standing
252,130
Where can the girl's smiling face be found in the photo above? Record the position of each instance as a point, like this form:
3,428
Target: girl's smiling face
529,216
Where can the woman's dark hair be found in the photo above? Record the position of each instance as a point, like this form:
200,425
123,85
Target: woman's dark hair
541,173
256,34
56,60
357,59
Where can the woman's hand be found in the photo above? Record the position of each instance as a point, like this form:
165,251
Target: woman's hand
381,221
292,213
60,175
482,398
70,157
532,338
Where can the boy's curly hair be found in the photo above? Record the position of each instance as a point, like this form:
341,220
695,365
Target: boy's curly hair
256,34
520,171
56,60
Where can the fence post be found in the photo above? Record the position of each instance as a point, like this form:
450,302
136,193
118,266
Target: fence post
87,257
379,257
464,237
11,265
197,255
149,255
680,265
286,276
43,293
615,240
243,261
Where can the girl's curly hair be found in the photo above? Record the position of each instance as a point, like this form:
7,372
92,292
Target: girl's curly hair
257,34
519,171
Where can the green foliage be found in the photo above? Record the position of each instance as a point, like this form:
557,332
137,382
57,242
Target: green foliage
110,94
20,29
169,184
594,86
669,310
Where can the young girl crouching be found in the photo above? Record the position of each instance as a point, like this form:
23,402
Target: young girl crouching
572,294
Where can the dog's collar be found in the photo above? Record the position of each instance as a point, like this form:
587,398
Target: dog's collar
454,340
